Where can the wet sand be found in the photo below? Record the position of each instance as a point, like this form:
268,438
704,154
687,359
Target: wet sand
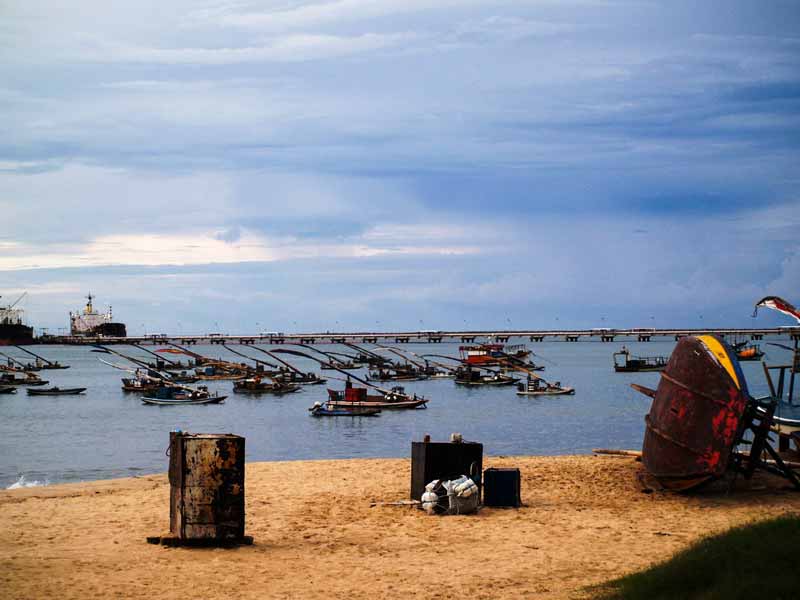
585,520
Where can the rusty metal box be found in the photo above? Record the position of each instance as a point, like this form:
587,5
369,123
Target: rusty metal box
206,476
444,460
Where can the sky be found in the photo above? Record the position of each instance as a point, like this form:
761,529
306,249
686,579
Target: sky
238,166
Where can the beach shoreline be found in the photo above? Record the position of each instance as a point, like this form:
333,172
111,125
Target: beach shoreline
585,519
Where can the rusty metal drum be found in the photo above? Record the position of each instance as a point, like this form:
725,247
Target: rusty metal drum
206,475
697,415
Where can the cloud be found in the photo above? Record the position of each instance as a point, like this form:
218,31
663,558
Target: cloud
441,158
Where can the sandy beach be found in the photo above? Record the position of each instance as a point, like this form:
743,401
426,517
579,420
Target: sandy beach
586,519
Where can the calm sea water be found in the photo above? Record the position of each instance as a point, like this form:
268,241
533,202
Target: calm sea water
107,433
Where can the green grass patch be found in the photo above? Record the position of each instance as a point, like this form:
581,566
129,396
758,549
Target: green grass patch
750,562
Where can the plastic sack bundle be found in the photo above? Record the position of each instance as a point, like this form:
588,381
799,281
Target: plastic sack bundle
430,499
457,497
462,495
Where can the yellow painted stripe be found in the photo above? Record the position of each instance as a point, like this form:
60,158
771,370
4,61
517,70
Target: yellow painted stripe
718,350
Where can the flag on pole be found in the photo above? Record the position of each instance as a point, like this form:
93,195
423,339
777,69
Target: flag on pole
779,304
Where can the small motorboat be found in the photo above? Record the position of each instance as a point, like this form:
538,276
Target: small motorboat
536,386
325,410
356,397
254,385
470,376
624,362
9,379
215,399
396,374
8,389
178,395
56,391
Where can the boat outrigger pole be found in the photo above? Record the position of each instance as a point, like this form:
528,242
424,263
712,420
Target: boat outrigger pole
42,358
255,360
331,357
343,372
364,351
402,353
159,356
11,359
280,360
148,369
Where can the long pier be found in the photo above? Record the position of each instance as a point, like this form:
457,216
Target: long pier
432,336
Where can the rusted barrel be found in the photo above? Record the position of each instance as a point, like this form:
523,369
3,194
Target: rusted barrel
206,475
697,414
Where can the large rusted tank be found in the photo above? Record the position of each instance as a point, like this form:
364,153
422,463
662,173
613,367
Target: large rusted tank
206,475
697,416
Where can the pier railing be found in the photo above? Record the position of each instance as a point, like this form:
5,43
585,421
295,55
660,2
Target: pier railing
463,337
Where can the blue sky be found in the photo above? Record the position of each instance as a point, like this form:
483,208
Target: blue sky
360,164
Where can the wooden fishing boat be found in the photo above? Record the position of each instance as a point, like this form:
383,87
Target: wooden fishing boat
624,362
255,385
56,391
493,355
474,377
8,389
357,397
179,395
215,373
9,379
749,352
215,399
536,386
340,366
325,410
42,362
141,385
389,374
301,379
697,416
52,366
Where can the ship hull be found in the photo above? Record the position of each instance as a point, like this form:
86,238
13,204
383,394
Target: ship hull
15,334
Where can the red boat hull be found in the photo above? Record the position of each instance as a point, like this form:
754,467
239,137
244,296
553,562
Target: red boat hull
696,418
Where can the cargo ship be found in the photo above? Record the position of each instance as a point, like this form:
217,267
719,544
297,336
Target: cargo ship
12,325
89,322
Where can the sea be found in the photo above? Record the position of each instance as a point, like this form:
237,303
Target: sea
107,433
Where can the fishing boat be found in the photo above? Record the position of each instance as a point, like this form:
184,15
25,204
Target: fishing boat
536,386
299,378
178,395
255,385
56,391
358,397
624,362
12,364
748,352
8,389
220,373
469,376
42,362
29,379
325,410
396,374
493,355
141,384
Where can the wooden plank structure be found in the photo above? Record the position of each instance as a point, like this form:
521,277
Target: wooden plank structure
207,491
